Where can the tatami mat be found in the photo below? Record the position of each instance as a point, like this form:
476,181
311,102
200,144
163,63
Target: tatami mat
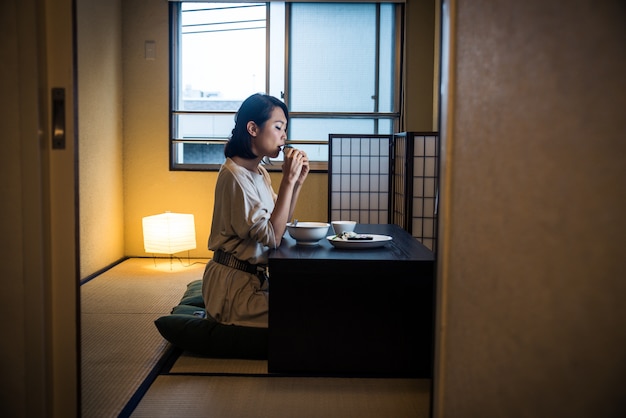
276,397
139,285
113,363
189,363
120,343
121,347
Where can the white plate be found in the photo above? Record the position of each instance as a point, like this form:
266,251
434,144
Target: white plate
375,242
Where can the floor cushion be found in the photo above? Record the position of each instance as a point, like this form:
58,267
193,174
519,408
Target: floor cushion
188,327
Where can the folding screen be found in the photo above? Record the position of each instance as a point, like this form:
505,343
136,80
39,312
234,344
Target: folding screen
415,175
386,179
358,177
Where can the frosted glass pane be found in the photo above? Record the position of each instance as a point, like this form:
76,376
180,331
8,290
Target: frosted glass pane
417,208
429,227
417,227
355,163
351,146
418,187
418,166
430,168
384,163
373,147
429,206
345,164
384,183
354,183
431,145
375,166
384,203
345,147
425,146
419,147
333,57
363,203
387,58
354,200
364,166
345,183
373,202
365,183
345,200
429,187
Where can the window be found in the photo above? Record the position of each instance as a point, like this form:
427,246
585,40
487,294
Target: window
336,66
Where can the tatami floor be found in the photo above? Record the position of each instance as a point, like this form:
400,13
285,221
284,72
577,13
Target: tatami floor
302,397
122,350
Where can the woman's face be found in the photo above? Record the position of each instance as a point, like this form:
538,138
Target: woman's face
268,141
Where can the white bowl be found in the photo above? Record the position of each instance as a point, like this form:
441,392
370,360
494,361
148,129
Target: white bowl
308,233
343,226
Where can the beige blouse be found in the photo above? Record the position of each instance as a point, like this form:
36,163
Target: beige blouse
244,202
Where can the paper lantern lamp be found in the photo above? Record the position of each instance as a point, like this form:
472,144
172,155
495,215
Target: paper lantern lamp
169,233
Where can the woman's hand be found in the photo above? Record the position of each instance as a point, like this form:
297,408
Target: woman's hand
295,170
294,164
305,169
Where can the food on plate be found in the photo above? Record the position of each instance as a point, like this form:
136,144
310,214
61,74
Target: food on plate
352,236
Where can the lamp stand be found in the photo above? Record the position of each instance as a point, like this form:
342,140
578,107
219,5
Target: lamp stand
172,260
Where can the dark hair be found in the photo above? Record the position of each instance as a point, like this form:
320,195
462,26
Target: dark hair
257,108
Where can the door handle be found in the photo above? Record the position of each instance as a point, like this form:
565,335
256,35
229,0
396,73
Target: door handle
58,118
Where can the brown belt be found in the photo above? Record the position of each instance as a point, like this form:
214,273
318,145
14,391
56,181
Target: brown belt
227,259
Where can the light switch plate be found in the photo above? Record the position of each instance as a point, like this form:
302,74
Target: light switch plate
150,50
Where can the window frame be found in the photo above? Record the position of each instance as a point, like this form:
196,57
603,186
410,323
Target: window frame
316,166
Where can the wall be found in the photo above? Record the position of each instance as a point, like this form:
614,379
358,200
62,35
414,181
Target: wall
150,188
421,71
99,67
531,318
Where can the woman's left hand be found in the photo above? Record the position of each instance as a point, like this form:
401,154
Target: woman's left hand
305,169
296,162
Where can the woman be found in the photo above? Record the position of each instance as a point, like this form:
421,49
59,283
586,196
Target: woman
249,218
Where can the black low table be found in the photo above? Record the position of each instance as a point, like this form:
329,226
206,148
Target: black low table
352,311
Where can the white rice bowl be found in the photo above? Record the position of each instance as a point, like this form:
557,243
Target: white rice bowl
308,233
